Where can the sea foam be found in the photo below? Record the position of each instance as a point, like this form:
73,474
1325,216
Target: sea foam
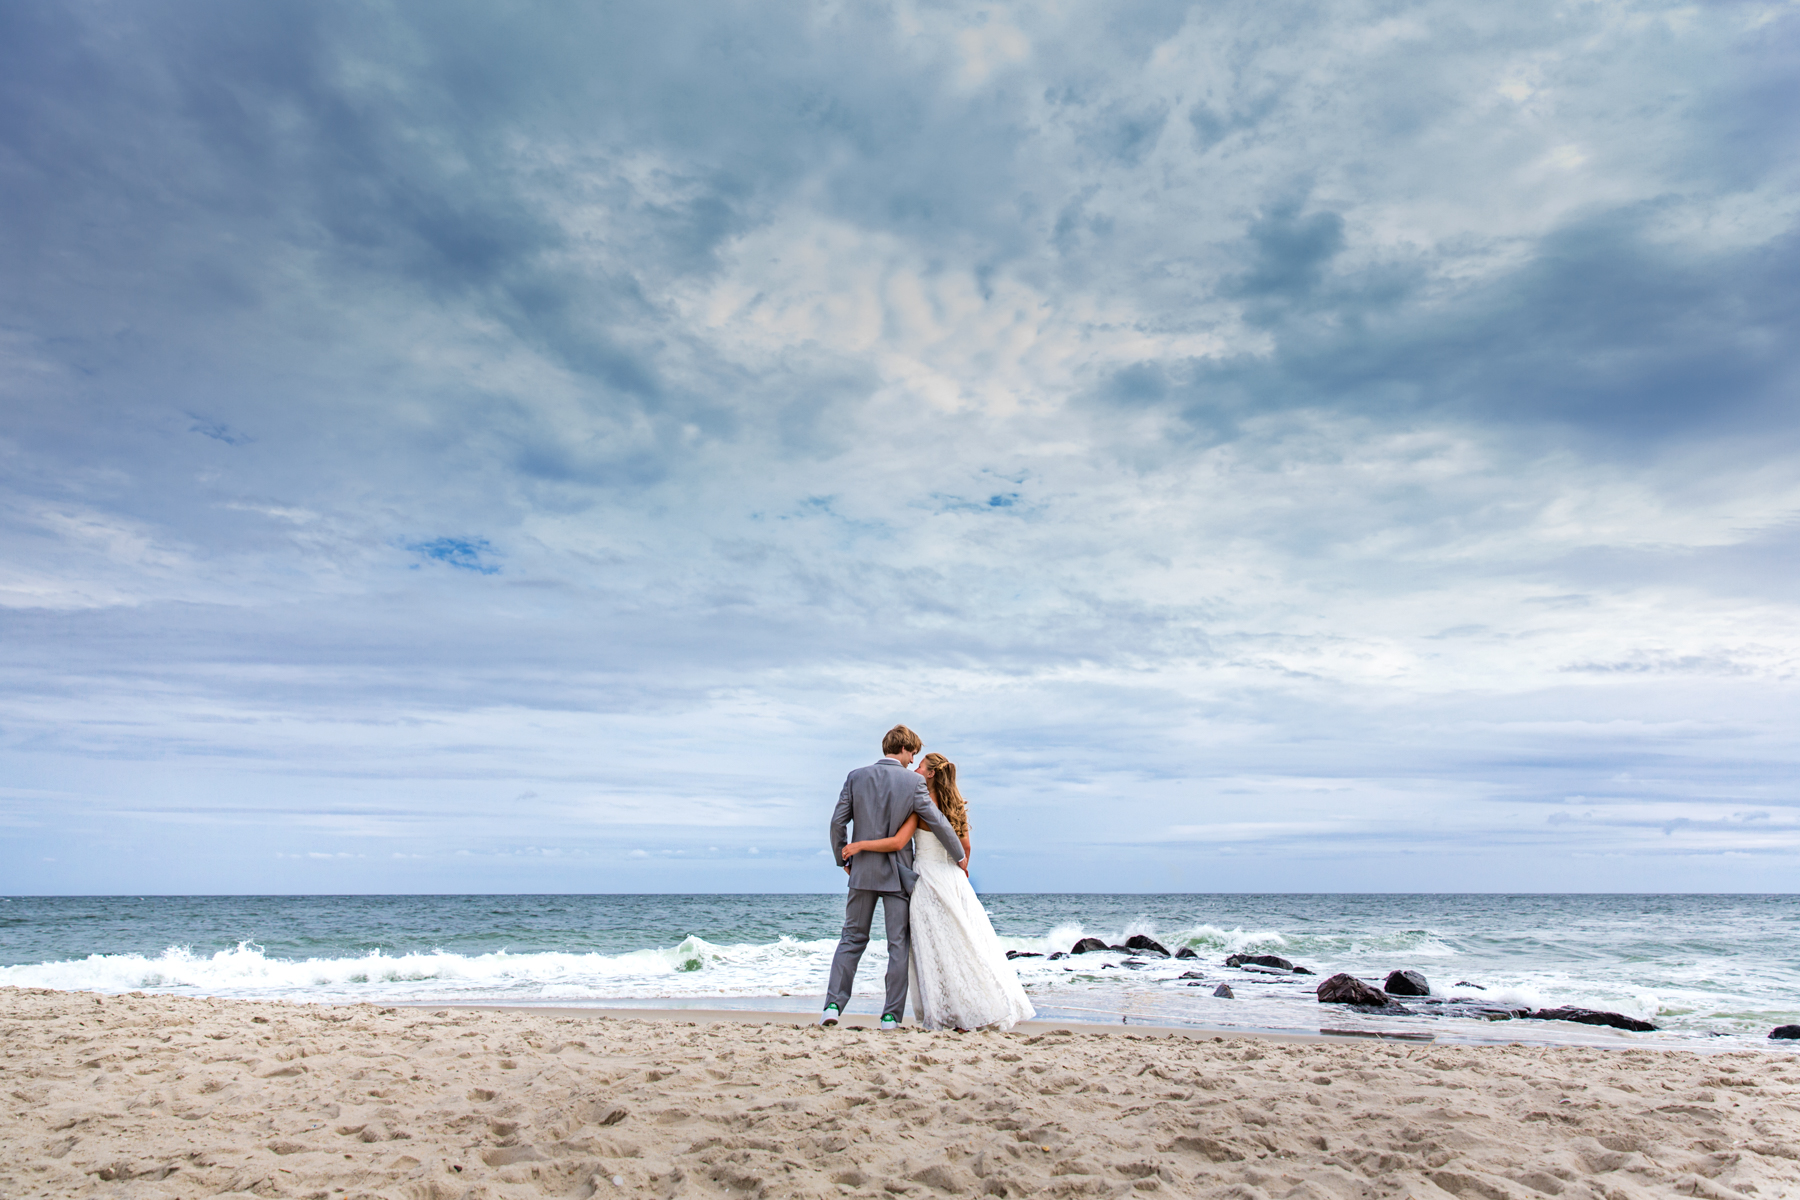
695,967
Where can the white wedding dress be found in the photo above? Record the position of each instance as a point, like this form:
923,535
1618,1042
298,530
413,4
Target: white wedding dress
960,976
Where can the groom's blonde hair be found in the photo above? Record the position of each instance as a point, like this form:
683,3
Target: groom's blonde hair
900,740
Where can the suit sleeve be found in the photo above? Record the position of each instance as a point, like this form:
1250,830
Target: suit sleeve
840,820
937,822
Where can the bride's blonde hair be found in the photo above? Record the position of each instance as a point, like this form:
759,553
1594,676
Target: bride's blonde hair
944,792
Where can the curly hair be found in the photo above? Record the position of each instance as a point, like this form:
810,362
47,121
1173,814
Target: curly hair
945,794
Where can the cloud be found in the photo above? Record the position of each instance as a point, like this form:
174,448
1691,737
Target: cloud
1292,252
1320,436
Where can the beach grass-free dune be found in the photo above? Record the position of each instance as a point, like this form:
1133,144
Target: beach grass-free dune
158,1096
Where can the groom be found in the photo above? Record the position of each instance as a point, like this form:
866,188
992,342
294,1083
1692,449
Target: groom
878,799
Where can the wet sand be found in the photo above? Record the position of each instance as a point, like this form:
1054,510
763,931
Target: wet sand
158,1096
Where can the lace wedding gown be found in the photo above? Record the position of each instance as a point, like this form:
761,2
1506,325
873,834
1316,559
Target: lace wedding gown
960,976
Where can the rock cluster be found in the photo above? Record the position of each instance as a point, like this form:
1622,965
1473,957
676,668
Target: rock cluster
1137,943
1259,960
1347,989
1344,988
1266,963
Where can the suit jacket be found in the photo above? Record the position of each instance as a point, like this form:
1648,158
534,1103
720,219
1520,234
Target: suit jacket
878,799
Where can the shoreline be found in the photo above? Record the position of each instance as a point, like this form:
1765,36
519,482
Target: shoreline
1570,1036
865,1021
1332,1024
177,1096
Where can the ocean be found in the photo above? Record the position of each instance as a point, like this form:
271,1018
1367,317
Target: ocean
1712,971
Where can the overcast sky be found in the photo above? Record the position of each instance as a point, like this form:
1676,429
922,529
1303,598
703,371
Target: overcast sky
479,447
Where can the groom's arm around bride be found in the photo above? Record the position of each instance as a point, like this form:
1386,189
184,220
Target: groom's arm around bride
876,800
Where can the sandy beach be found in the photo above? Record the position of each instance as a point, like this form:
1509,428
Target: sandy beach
156,1096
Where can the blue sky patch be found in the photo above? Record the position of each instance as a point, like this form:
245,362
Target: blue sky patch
462,553
218,431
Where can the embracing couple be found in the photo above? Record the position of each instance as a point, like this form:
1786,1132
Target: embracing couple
937,931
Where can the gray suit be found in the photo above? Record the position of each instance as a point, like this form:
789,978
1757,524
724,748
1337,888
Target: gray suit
878,799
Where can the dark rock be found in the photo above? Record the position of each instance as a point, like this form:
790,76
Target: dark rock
1479,1010
1185,952
1393,1008
1466,983
1588,1016
1057,955
1138,941
1109,966
1406,983
1022,954
1304,971
1788,1032
1260,960
1136,964
1192,975
1088,946
1120,949
1223,991
1348,989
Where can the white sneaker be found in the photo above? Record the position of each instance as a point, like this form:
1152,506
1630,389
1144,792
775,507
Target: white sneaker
829,1017
889,1024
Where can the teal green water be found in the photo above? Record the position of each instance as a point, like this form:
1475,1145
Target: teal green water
1700,966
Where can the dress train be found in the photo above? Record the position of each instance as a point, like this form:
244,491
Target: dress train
961,978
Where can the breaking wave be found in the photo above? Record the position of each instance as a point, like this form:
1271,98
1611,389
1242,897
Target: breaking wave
695,967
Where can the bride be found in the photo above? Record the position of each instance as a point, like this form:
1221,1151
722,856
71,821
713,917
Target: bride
960,976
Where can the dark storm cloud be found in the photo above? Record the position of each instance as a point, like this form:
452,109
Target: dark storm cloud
1291,253
1604,332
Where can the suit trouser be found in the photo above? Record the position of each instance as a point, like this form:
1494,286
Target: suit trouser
859,910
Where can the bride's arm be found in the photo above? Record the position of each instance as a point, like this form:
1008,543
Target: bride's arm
886,845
